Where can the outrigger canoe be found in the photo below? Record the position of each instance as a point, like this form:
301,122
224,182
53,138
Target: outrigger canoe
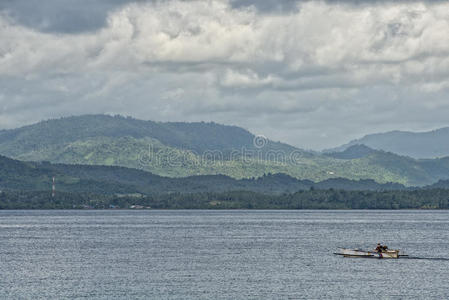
369,254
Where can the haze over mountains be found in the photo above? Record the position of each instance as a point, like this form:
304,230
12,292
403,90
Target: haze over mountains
191,149
429,144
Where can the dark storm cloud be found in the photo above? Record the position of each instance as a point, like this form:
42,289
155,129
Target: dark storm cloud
77,16
62,16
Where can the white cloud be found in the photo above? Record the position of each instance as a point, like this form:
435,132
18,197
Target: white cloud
325,70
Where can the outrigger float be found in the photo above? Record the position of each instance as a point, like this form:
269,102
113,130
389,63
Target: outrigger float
377,253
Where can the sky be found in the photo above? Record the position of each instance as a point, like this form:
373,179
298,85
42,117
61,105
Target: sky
314,74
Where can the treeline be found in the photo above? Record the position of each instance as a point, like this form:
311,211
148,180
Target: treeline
310,199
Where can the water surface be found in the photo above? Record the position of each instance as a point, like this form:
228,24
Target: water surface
197,254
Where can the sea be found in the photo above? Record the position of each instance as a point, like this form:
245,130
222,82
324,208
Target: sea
221,254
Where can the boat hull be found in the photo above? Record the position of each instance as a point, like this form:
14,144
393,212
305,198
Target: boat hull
368,254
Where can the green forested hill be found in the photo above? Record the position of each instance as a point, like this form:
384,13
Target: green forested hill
189,149
197,137
35,176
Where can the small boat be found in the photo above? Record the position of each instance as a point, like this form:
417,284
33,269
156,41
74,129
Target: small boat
388,253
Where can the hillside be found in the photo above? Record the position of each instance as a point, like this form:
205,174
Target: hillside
192,149
429,144
196,137
167,149
30,176
352,152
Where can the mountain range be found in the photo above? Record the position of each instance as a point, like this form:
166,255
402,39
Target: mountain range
430,144
175,150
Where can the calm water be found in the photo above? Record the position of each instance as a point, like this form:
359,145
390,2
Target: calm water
220,254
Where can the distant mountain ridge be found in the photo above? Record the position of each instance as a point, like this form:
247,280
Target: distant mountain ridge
191,149
196,136
352,152
430,144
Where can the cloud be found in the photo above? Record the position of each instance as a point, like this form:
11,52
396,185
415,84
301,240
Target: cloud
314,74
60,16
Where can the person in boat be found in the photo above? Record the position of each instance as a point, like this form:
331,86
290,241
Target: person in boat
381,248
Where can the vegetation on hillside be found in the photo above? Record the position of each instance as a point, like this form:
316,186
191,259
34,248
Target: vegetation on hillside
33,176
189,149
28,185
